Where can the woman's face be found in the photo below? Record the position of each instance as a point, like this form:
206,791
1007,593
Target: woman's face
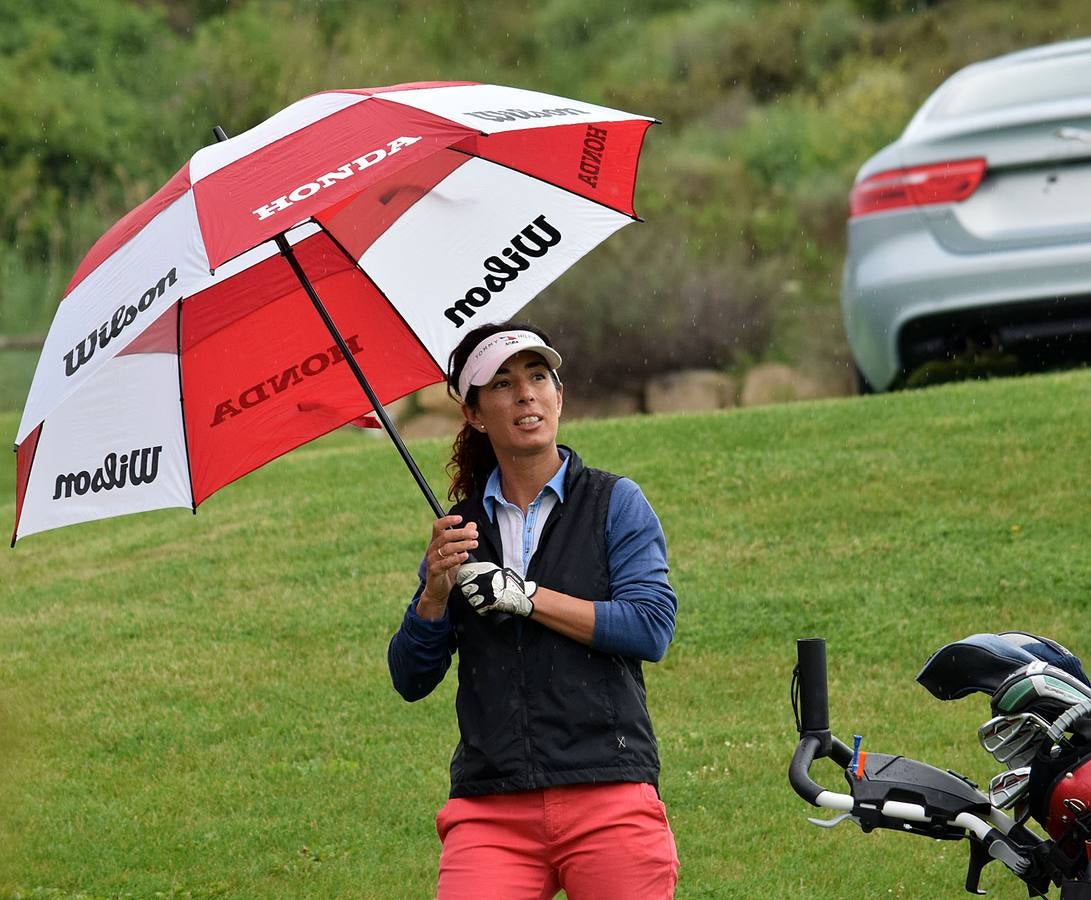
520,408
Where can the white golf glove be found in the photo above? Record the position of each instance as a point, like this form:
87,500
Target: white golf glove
488,588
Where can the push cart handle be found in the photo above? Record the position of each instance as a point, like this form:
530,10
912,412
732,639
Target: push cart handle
808,749
814,706
799,770
815,739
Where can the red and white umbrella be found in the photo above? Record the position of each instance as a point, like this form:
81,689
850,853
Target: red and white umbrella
292,279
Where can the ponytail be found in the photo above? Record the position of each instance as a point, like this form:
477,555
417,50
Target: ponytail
472,461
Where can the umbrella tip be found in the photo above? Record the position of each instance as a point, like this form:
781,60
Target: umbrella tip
220,134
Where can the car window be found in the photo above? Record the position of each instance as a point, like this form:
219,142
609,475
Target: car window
1035,81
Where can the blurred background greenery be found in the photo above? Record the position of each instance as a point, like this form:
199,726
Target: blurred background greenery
768,108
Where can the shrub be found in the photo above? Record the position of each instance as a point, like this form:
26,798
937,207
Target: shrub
639,306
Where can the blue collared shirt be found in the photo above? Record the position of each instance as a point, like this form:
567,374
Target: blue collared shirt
519,533
636,620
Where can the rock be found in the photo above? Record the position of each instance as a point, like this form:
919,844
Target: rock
689,391
601,406
430,425
836,381
400,410
778,383
434,399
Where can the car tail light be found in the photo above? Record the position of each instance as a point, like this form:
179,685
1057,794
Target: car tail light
946,182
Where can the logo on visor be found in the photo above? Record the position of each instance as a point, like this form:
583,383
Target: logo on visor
530,243
330,178
127,470
508,339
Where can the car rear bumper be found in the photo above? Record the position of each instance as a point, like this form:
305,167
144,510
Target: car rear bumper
902,290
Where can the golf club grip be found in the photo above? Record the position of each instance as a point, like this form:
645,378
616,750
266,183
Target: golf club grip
814,711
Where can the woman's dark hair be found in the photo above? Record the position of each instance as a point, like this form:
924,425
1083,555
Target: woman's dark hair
472,456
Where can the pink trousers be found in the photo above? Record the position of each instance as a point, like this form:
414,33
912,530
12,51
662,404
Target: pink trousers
601,841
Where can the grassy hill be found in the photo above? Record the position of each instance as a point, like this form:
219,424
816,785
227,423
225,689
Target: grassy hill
199,706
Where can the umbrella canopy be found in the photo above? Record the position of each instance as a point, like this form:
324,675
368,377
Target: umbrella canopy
349,241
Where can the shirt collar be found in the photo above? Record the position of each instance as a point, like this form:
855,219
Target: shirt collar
493,494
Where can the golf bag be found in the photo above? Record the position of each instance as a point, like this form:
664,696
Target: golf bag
1039,731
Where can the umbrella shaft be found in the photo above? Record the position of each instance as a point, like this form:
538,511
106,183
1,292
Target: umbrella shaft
287,252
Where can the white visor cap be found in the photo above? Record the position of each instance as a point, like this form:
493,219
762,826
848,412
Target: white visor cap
490,354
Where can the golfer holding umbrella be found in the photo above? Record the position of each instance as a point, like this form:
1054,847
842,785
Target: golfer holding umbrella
549,578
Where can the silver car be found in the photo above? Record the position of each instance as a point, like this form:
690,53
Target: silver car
972,231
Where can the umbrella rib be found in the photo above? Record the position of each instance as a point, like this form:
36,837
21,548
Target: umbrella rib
553,184
289,255
182,408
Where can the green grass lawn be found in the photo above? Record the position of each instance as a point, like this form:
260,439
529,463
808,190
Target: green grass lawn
16,373
198,706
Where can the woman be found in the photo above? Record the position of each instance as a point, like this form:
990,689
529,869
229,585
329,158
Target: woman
549,579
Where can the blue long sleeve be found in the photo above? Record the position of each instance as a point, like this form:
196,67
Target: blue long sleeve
638,618
420,652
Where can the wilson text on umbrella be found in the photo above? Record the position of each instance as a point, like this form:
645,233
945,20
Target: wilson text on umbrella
123,317
133,468
510,115
331,178
594,145
530,243
315,364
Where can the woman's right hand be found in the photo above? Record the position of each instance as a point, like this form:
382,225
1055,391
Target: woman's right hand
449,548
